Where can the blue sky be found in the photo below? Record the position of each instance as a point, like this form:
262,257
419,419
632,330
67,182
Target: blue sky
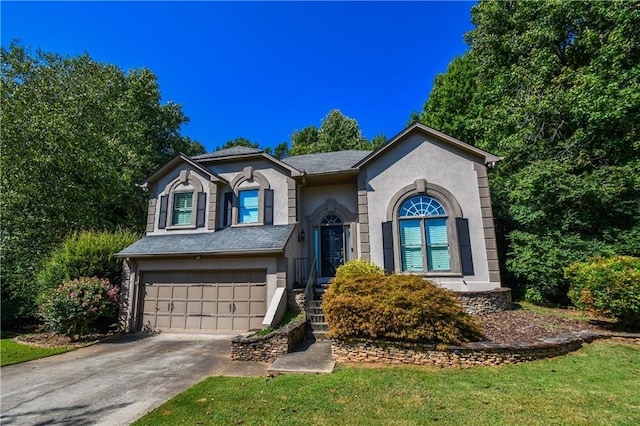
259,70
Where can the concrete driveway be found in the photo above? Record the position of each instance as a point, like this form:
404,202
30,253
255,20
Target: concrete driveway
113,383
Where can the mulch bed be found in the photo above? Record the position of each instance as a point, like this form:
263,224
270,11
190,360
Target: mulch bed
53,340
519,326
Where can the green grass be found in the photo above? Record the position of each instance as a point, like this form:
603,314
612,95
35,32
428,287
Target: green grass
600,384
13,353
563,313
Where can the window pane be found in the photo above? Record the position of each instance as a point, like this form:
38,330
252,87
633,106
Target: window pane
411,245
421,205
182,208
248,209
437,245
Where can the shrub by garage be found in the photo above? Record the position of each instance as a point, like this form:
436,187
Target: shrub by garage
396,307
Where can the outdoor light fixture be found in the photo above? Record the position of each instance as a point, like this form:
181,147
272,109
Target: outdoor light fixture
301,236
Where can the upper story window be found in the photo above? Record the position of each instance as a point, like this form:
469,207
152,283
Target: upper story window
248,206
182,212
423,235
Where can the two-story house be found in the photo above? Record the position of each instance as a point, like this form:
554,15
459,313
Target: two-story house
227,230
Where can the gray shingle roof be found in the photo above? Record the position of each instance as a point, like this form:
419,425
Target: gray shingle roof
327,161
229,240
228,152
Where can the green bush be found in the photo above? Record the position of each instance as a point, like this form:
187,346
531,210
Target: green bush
77,306
402,307
357,268
86,254
608,286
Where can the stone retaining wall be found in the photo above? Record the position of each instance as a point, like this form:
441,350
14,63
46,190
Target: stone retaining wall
485,302
269,347
469,355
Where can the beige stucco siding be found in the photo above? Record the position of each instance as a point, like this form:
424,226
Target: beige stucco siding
159,188
315,197
277,182
437,163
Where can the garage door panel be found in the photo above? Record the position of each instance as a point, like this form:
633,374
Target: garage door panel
209,292
204,300
241,292
195,292
179,292
165,292
225,292
258,307
193,322
241,308
258,292
224,323
211,308
255,323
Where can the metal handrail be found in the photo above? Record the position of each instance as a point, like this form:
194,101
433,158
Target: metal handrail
308,291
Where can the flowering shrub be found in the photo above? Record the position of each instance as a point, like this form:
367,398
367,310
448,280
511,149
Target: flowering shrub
75,307
608,286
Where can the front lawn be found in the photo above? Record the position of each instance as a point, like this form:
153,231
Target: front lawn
13,353
596,385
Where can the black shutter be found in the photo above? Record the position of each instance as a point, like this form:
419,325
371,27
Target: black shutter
268,207
162,221
464,243
202,207
387,247
228,209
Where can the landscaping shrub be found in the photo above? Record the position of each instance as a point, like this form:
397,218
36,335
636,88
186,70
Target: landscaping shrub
357,268
77,306
403,307
608,286
86,254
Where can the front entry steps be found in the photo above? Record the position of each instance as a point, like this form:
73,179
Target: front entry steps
317,322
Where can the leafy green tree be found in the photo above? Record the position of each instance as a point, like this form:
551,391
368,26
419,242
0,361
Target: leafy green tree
77,135
553,87
336,133
281,150
239,142
305,141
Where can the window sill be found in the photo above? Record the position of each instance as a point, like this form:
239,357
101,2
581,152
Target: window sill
443,274
175,227
242,225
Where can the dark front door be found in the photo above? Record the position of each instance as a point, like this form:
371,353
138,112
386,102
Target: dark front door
331,253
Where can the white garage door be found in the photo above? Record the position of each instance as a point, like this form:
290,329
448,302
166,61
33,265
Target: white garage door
204,300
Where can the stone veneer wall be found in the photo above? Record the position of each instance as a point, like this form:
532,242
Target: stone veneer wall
469,355
485,302
269,347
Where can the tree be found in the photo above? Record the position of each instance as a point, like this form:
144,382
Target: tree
553,87
336,133
239,142
77,135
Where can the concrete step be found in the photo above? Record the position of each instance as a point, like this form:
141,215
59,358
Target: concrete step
317,310
319,326
316,318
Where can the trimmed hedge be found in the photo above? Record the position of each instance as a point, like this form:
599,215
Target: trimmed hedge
607,286
400,307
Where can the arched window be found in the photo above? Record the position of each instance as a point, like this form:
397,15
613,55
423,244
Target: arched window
423,235
331,219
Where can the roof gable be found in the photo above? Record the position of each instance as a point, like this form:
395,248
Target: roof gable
484,156
181,158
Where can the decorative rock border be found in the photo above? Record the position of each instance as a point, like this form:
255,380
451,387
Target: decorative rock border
485,302
269,347
469,355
